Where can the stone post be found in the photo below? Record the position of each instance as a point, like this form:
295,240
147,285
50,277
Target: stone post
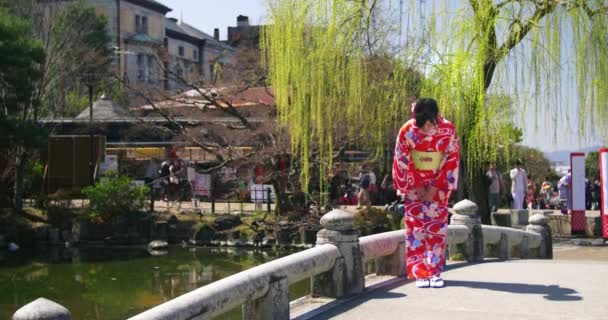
272,306
466,214
540,224
339,231
503,247
42,309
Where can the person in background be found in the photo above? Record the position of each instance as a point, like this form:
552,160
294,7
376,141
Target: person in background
531,193
164,174
565,195
373,188
364,182
494,188
519,185
546,190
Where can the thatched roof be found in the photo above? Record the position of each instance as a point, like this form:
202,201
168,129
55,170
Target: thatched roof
105,109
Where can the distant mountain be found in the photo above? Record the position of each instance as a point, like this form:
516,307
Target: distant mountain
564,155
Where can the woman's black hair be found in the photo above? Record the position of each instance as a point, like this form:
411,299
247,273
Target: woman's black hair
425,110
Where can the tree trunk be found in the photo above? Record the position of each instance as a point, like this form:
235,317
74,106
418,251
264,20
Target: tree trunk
479,194
18,186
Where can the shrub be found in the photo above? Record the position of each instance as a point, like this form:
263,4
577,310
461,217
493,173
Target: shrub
115,196
370,220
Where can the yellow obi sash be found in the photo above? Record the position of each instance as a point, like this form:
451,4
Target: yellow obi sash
424,160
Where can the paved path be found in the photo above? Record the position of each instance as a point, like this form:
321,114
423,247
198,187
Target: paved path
513,290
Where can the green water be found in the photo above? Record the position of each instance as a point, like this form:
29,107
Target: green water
116,283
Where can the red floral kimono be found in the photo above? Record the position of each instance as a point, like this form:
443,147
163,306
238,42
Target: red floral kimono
421,160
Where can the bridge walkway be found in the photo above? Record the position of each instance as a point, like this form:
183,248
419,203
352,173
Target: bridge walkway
515,289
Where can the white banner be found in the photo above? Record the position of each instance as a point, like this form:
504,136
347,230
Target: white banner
259,192
201,184
110,163
577,163
604,191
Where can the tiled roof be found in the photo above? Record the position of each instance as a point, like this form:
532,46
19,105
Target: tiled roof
257,96
192,31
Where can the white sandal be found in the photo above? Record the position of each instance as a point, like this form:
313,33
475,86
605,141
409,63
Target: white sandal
422,283
437,282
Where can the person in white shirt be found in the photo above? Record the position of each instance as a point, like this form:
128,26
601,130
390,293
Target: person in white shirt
519,185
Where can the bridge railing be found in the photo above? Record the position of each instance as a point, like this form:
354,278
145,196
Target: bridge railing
335,267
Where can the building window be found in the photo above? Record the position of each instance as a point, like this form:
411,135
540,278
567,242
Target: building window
144,25
150,71
180,50
141,24
195,55
137,23
140,67
166,75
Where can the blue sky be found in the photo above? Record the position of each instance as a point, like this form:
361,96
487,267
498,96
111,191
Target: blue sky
542,134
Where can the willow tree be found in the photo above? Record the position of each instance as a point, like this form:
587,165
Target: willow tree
317,50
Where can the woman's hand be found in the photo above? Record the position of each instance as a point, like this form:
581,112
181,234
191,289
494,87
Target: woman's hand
421,191
429,194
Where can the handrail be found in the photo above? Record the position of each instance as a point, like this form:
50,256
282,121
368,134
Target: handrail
336,265
381,244
492,235
228,293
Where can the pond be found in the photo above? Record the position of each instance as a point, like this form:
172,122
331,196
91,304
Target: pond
106,283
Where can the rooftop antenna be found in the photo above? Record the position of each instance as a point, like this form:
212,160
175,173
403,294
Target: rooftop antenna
181,16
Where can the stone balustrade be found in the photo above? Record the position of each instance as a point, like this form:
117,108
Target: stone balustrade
335,267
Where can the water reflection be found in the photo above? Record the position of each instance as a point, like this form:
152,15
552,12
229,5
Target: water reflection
118,282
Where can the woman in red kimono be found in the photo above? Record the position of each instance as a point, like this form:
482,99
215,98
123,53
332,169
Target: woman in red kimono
425,171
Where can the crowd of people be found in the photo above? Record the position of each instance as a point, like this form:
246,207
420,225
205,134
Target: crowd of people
525,193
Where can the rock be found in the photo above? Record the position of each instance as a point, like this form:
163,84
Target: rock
12,247
157,253
157,244
42,309
173,220
284,236
269,241
204,234
226,222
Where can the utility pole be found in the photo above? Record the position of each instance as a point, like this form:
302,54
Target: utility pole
92,149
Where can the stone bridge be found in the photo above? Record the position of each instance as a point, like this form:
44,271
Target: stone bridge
528,287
